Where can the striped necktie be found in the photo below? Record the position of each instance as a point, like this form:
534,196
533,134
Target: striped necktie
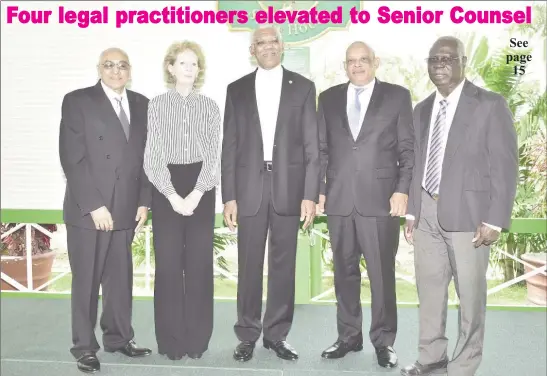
436,152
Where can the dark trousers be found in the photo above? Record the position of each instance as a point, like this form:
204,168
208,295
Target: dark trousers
377,239
100,258
184,288
252,234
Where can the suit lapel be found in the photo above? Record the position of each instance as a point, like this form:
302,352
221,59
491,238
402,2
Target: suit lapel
464,112
107,113
372,109
342,105
284,100
425,120
254,119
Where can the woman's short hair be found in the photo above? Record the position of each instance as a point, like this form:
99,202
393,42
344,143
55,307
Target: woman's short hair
171,56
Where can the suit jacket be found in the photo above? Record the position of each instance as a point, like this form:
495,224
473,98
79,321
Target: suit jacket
363,174
101,166
296,147
480,167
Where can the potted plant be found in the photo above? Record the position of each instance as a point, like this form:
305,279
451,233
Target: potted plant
14,258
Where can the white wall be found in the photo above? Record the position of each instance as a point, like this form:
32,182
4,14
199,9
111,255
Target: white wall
41,63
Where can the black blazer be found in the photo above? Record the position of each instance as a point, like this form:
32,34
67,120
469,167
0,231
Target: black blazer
364,173
296,147
102,168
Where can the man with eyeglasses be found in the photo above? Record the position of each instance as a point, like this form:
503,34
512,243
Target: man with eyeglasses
367,156
270,182
462,194
101,146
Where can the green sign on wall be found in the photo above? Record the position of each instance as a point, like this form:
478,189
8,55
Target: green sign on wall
293,34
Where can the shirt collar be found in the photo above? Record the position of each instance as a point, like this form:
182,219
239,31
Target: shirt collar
189,100
369,86
453,97
111,94
274,72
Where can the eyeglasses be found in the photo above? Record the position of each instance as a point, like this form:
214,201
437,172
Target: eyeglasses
444,61
122,65
353,62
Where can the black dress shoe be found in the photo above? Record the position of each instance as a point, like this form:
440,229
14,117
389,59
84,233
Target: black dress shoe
282,349
340,349
132,350
244,351
418,369
89,363
387,357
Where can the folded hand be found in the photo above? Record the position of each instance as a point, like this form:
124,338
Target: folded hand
192,201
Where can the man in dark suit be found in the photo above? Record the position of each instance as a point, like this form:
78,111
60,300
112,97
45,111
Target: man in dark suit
270,181
462,194
366,144
101,146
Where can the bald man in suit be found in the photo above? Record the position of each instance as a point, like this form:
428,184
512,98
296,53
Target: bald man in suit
367,156
462,195
101,147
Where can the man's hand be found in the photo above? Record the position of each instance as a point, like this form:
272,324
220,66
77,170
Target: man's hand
307,213
320,207
142,215
178,204
102,219
485,236
191,201
409,231
230,214
398,203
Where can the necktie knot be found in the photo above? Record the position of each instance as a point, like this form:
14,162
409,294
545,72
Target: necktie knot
443,103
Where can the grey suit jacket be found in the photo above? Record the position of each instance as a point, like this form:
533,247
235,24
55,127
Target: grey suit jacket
102,168
480,167
296,147
363,174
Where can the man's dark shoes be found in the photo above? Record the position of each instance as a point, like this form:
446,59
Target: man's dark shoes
418,369
340,349
88,363
244,351
282,349
387,357
132,350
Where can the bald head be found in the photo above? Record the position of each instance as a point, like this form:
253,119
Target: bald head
114,68
363,46
361,63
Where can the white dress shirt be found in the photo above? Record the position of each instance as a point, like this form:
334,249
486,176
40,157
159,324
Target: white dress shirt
113,96
268,94
364,98
451,105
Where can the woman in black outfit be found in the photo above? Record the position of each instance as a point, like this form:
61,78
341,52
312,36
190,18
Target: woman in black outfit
182,162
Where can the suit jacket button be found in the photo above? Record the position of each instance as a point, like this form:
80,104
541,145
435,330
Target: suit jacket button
355,148
101,138
117,178
108,156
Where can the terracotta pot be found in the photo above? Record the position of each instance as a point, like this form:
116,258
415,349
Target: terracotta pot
16,268
537,285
